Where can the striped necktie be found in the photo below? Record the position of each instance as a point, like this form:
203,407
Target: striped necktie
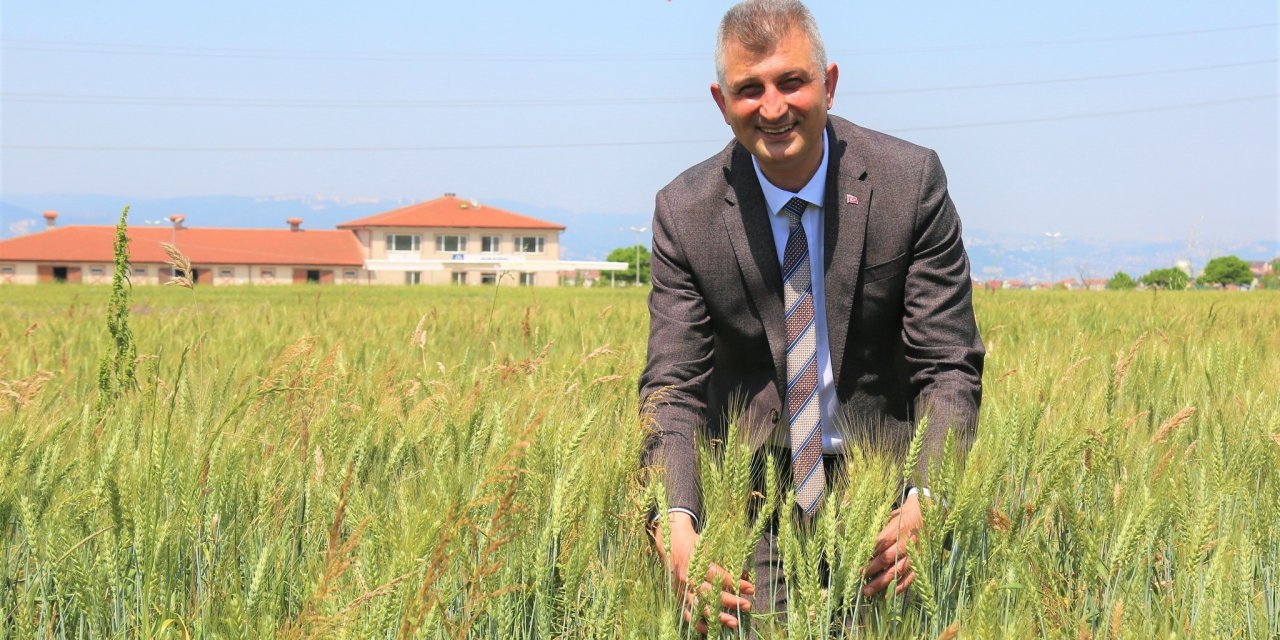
803,413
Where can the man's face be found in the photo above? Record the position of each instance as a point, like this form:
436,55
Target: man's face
776,103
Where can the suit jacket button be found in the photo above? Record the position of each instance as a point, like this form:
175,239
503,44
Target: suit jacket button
773,416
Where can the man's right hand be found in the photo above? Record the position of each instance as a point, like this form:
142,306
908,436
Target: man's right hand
683,540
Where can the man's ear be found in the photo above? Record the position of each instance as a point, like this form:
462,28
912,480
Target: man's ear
718,96
833,74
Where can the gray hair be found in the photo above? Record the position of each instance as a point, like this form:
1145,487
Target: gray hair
758,25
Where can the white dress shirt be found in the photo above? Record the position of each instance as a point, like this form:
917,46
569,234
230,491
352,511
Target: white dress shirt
814,193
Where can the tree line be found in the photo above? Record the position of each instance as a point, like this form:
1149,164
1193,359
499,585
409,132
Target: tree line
1221,271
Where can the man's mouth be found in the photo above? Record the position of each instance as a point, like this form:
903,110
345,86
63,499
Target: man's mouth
778,130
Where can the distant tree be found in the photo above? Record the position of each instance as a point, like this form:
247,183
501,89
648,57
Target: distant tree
1226,270
628,255
1121,280
1171,278
1275,265
1271,281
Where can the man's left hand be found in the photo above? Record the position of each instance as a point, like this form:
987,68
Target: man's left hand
889,561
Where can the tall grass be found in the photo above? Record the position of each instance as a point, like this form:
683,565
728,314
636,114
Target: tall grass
342,462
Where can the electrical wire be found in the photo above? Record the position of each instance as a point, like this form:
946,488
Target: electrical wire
119,48
629,143
328,103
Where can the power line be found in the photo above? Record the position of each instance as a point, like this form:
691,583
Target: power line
1085,116
119,48
629,143
208,101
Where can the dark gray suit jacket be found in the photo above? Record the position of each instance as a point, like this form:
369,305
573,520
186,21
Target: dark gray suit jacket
898,299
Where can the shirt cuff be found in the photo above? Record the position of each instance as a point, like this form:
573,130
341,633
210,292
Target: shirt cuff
924,491
691,515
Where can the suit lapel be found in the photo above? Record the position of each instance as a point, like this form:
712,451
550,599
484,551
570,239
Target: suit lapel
844,232
746,221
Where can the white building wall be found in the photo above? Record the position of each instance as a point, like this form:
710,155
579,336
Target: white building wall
18,273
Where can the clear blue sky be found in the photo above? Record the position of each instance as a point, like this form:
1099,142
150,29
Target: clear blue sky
519,102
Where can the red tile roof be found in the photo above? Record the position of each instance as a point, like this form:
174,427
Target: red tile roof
450,211
83,243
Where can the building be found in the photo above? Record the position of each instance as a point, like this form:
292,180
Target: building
441,241
85,253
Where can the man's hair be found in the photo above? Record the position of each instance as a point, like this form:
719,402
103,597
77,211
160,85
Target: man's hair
758,25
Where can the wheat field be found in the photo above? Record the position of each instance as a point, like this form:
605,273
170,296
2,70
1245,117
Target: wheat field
462,463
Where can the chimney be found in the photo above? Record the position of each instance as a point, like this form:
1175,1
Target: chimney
450,194
51,219
295,224
177,220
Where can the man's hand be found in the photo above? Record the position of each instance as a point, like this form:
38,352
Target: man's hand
683,539
889,561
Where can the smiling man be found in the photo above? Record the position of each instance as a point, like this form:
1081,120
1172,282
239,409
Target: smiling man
812,277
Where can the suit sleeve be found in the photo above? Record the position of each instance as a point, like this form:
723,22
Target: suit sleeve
673,386
943,349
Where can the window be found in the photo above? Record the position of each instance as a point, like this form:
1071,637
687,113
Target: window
413,277
490,244
97,271
451,244
403,243
349,275
489,278
267,274
138,272
529,244
8,270
459,277
226,273
526,279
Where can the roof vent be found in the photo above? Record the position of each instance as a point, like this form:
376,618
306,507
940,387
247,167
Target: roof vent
450,194
475,204
177,220
51,219
295,224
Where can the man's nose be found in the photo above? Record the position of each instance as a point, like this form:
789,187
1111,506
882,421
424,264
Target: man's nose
773,106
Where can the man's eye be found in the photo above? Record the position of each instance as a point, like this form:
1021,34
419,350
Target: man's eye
750,91
791,84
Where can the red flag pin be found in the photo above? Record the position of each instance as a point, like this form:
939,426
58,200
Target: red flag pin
850,199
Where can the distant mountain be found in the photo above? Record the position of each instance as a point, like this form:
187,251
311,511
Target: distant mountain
592,236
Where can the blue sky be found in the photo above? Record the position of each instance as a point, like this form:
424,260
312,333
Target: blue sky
1124,121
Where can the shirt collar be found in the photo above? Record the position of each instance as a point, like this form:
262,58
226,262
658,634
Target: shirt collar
813,192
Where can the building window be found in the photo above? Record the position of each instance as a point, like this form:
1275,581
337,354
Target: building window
97,272
451,244
530,244
490,244
459,277
526,279
6,273
489,278
226,273
267,274
139,272
413,277
404,242
349,275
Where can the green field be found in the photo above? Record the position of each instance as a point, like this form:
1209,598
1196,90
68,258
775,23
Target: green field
383,462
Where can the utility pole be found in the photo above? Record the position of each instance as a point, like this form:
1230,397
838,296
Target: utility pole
638,230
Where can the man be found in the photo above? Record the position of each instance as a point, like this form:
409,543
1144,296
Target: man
810,271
